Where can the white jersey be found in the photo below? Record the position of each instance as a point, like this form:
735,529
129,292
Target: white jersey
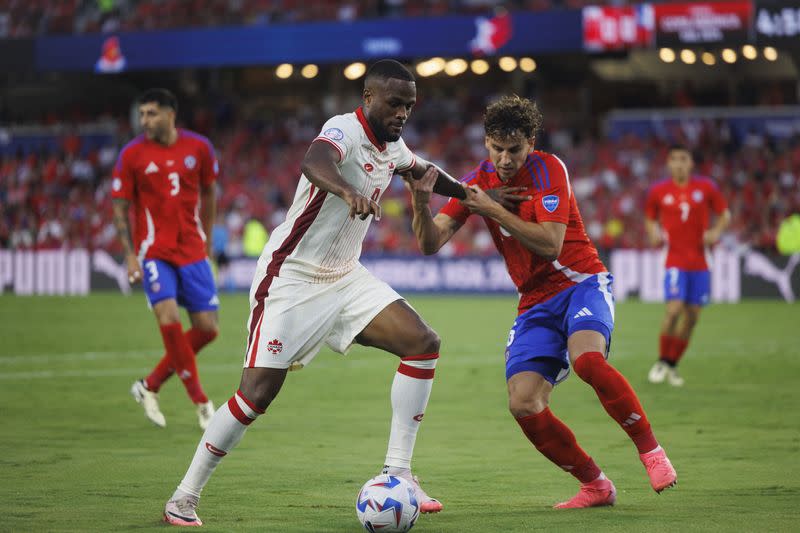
318,241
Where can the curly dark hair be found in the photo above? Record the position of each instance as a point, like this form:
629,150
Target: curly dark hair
512,115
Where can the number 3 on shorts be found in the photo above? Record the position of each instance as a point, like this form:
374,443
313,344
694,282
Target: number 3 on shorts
510,338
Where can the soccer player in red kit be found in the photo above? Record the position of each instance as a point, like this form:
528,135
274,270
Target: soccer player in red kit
681,207
168,175
566,310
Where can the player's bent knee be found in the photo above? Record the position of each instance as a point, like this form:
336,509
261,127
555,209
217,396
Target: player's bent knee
522,407
261,385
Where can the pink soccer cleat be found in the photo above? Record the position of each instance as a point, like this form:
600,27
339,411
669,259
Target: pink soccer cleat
597,493
182,512
426,503
659,469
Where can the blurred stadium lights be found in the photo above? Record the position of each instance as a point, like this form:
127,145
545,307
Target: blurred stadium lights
709,59
527,64
770,54
749,52
507,64
729,56
479,66
284,70
688,56
310,71
430,67
667,55
353,71
454,67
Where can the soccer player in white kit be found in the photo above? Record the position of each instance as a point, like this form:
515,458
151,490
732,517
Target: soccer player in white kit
310,288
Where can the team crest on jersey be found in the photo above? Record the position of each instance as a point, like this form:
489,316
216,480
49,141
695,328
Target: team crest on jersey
697,196
190,162
669,199
116,184
334,133
275,346
550,202
368,167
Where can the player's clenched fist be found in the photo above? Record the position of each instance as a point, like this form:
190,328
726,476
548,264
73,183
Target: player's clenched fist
362,206
134,269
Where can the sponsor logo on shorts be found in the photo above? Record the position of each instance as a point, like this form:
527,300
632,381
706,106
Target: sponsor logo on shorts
155,287
275,346
190,162
368,167
216,451
334,133
550,202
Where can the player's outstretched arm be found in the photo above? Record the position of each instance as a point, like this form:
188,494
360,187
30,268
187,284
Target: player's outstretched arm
445,184
320,168
431,232
120,207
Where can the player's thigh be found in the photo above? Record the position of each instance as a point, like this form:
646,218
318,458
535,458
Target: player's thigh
289,324
675,285
584,341
698,288
373,314
197,291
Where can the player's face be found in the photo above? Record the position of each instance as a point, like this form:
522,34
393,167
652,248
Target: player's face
156,121
508,154
679,163
388,104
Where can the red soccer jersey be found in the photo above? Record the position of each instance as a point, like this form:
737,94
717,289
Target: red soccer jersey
163,183
684,213
547,181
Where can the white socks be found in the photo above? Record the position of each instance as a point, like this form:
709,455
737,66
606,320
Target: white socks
224,432
411,389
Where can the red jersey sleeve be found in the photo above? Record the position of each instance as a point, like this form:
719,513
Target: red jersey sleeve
209,169
122,177
718,203
651,204
552,202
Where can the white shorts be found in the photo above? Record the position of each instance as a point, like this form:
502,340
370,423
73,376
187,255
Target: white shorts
288,326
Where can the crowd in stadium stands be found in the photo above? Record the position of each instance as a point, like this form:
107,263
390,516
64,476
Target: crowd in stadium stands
59,197
25,18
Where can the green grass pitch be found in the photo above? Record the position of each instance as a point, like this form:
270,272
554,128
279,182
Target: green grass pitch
78,454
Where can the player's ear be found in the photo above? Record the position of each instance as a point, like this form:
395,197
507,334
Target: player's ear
367,96
531,143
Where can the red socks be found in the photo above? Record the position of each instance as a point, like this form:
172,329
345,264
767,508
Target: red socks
556,442
617,397
183,360
197,338
671,348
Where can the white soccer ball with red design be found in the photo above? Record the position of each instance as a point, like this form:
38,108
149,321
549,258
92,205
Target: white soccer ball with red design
387,503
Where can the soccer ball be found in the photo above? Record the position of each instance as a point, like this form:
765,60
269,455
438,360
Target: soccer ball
387,504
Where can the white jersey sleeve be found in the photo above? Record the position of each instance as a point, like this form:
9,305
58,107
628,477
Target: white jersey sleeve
339,132
407,159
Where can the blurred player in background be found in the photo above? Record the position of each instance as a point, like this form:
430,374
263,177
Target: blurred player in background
681,207
310,288
168,175
566,311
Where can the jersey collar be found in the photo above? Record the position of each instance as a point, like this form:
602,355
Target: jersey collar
368,130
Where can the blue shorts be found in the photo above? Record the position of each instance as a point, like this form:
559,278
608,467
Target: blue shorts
191,285
537,341
690,286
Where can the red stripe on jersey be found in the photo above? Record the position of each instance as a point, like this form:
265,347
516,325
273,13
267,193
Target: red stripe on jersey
341,154
414,372
299,229
423,357
368,130
248,403
237,412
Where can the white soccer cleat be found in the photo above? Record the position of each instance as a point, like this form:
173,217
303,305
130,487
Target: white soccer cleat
204,413
149,402
182,512
658,373
673,378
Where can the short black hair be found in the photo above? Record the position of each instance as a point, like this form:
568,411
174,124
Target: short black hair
388,68
512,115
680,147
163,97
